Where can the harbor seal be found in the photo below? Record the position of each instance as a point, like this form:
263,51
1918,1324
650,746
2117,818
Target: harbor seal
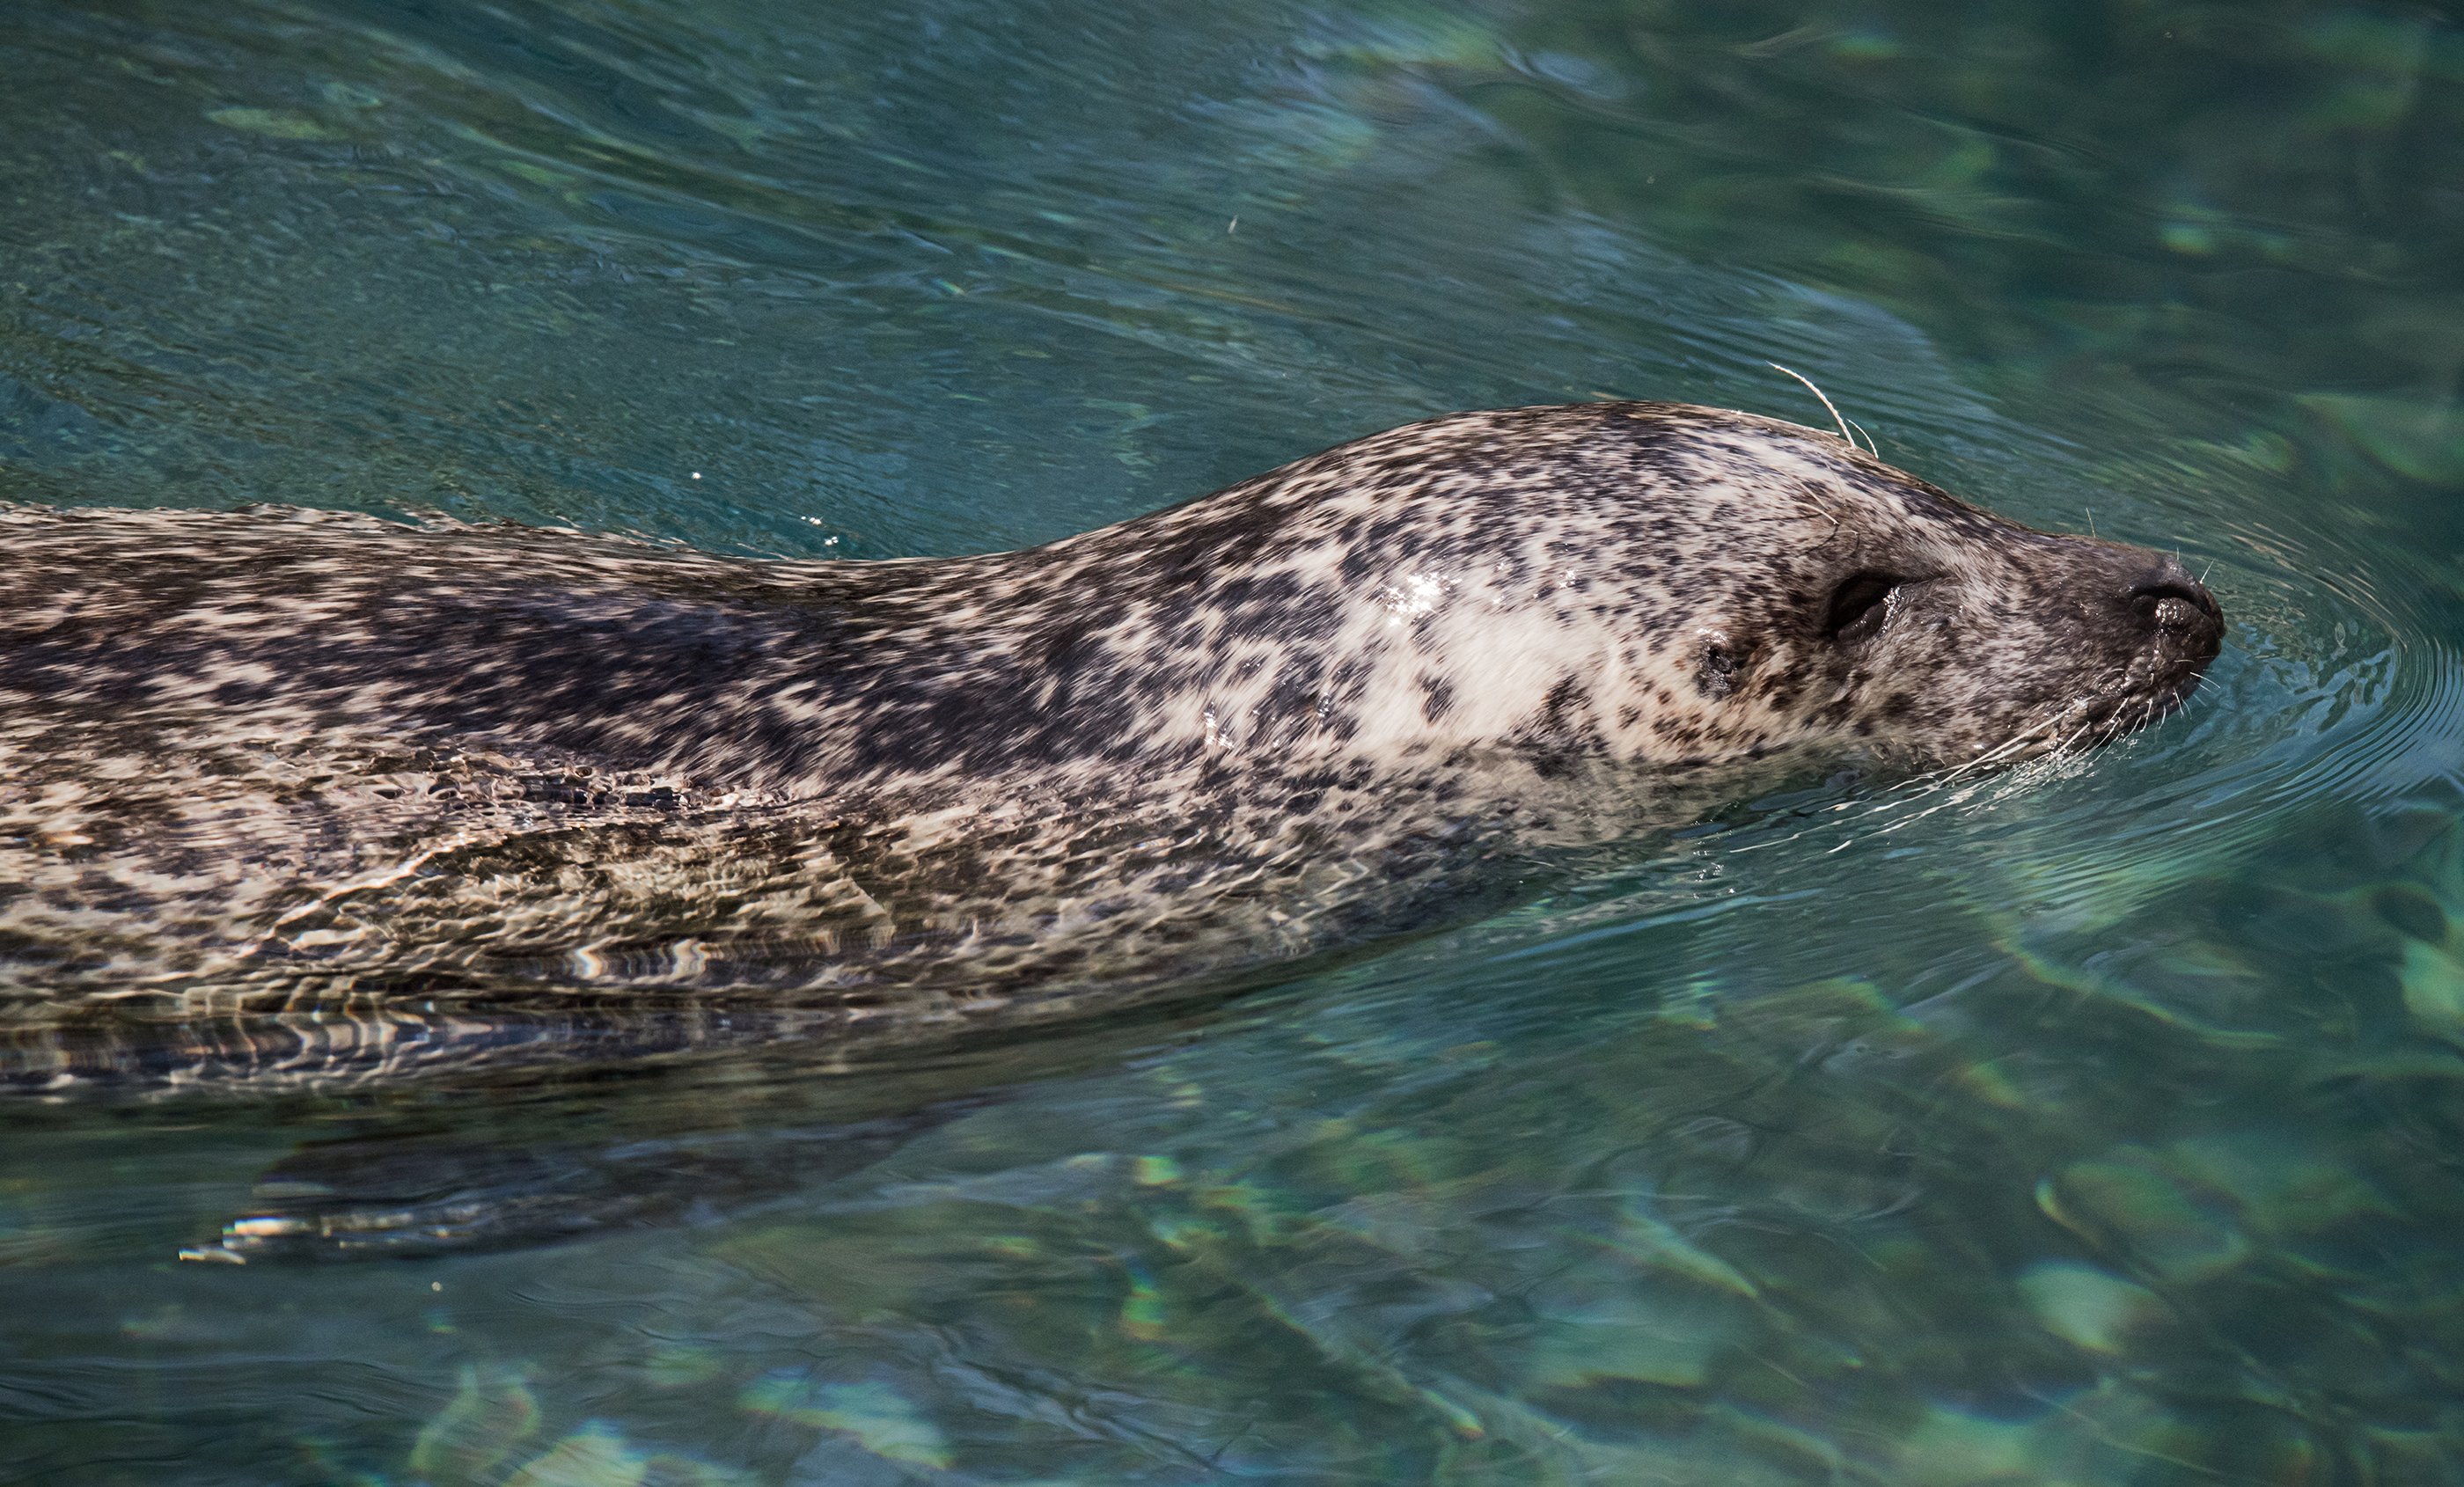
267,755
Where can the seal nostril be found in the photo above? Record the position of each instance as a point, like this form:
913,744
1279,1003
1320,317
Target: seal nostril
2172,605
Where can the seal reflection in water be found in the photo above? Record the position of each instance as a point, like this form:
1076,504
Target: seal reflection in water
272,755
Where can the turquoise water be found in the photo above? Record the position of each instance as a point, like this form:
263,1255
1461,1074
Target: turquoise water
2101,1122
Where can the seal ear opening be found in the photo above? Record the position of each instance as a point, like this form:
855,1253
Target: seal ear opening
1717,677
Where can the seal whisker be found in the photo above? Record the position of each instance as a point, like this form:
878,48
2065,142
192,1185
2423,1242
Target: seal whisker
2028,736
1826,401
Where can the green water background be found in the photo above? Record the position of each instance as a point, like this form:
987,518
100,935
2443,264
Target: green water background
2099,1123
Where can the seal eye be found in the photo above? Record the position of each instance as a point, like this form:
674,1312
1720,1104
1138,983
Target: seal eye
1859,606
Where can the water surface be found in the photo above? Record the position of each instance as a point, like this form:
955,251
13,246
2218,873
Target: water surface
2096,1122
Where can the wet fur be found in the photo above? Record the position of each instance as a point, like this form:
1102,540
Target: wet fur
276,753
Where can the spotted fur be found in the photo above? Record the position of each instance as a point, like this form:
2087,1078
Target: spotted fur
276,752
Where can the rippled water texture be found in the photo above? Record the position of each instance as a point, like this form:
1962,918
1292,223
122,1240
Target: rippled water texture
2099,1121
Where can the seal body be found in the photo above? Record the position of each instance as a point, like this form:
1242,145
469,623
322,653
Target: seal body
253,752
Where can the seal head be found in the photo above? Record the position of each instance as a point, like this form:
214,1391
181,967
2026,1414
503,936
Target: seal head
1652,584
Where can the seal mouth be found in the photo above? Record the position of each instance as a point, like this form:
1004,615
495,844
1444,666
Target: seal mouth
2163,687
2127,716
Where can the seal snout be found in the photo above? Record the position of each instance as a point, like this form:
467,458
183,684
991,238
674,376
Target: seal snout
2176,627
2175,609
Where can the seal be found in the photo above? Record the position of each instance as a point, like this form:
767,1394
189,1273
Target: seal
267,755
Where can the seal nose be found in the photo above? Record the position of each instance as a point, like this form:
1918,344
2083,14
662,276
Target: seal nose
2170,603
